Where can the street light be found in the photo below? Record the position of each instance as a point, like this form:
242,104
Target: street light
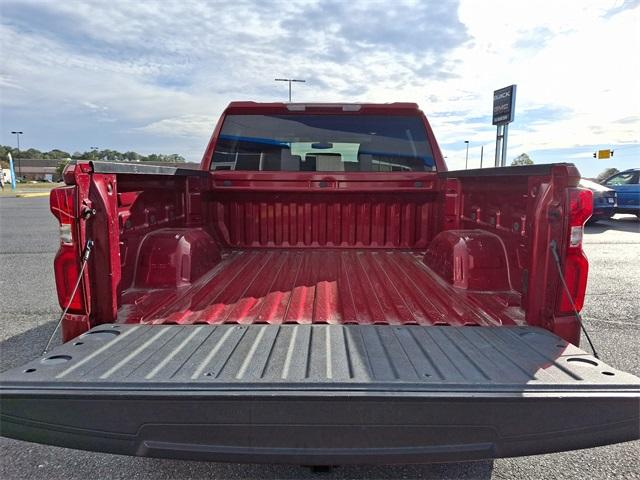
466,161
17,134
482,153
289,80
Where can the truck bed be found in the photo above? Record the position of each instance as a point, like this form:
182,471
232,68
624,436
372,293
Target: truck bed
319,394
330,286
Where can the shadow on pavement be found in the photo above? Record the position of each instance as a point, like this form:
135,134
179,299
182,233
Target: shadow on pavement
626,223
21,348
470,470
43,460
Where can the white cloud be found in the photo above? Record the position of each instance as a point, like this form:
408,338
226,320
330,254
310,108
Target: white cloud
586,64
185,125
160,73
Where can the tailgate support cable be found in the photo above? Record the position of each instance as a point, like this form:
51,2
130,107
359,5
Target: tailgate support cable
85,259
556,257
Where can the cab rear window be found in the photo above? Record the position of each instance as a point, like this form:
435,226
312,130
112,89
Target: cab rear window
323,143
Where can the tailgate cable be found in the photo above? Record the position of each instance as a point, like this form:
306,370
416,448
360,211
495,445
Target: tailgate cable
85,259
554,251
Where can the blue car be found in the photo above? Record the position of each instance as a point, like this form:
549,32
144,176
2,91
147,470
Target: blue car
628,189
604,200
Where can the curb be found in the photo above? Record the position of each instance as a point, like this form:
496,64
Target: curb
32,195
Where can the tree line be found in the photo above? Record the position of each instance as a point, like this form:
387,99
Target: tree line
103,155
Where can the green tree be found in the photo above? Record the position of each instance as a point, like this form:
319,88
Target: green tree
4,150
606,173
30,153
105,155
55,153
522,159
61,166
132,156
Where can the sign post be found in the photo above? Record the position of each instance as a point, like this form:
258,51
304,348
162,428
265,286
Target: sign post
504,105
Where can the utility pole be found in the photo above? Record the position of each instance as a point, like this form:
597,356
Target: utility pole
289,80
466,160
17,134
481,155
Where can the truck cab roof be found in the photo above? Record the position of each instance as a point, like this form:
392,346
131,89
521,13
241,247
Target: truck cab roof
284,107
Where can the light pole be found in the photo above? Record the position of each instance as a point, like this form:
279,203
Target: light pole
466,160
289,80
482,153
17,134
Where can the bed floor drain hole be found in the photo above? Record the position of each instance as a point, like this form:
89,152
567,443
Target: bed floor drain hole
30,370
56,359
102,334
583,361
611,374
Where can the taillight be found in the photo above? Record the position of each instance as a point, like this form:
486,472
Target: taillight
580,206
67,261
576,265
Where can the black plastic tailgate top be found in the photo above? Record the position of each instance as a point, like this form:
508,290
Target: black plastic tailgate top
319,394
334,357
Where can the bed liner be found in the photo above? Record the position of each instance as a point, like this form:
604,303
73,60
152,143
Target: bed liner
331,286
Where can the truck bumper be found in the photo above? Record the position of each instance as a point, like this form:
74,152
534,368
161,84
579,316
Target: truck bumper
323,429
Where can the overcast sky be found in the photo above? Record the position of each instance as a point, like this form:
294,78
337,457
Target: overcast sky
153,77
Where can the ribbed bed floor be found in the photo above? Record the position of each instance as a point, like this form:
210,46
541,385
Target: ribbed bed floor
321,286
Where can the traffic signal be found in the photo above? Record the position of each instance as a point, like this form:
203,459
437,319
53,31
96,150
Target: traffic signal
603,154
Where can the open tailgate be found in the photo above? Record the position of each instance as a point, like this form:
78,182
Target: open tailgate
319,394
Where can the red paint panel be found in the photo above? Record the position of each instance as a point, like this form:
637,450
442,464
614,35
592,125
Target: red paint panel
321,286
276,301
400,220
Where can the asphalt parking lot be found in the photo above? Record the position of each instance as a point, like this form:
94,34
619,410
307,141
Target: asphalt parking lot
28,310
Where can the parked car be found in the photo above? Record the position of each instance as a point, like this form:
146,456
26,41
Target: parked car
604,200
628,189
322,291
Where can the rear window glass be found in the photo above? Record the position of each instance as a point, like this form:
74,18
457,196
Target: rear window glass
323,143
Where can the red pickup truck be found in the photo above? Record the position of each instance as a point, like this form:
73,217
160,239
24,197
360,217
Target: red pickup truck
322,291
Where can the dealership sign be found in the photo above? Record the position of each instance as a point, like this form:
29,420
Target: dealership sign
504,105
